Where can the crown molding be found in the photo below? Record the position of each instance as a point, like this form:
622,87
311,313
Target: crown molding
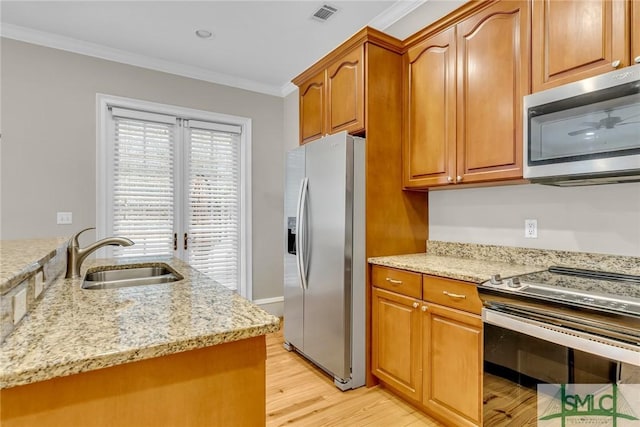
394,13
384,20
69,44
287,89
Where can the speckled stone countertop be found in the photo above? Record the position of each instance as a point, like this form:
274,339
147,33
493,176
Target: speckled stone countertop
469,270
75,330
476,263
19,258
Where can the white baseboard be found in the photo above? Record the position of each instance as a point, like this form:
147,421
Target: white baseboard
273,306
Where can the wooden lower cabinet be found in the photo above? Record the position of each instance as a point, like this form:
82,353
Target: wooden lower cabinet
430,353
221,385
396,343
452,370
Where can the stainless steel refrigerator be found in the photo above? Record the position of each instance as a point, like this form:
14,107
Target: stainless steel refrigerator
324,266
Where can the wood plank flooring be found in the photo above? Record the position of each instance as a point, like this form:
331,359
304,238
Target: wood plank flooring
299,394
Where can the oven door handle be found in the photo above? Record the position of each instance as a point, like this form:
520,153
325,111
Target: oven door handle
573,339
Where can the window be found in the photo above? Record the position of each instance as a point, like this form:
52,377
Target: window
176,182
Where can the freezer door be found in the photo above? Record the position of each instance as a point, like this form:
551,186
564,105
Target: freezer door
328,237
293,293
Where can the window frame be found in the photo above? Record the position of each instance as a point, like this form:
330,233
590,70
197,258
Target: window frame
104,154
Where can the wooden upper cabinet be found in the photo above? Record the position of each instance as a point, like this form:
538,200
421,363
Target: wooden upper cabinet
493,77
635,32
312,107
463,91
345,89
430,111
336,88
575,39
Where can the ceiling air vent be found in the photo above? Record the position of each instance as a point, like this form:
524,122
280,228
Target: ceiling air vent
324,13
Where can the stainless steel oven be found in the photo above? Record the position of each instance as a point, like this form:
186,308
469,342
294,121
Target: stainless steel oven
558,326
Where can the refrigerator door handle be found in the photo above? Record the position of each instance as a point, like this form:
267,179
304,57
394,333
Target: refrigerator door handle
299,233
302,233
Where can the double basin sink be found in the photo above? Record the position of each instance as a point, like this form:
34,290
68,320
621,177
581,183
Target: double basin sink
123,276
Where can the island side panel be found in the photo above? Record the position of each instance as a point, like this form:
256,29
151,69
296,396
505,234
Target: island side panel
214,386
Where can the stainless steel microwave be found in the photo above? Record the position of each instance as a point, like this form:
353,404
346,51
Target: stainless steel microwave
584,133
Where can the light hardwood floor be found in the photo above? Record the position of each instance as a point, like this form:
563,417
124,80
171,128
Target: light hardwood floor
298,394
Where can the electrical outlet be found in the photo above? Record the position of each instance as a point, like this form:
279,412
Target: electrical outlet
39,285
65,217
19,305
531,228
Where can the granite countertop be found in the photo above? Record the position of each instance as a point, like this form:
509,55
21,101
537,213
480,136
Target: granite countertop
75,330
476,263
469,270
19,258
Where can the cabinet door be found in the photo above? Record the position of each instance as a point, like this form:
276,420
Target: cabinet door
493,76
452,374
345,81
429,151
635,32
572,40
312,108
395,342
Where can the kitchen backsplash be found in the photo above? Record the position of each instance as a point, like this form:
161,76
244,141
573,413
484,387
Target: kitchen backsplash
539,257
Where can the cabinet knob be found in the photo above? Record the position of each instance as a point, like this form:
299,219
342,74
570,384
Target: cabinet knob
637,59
424,308
449,179
458,178
616,63
416,304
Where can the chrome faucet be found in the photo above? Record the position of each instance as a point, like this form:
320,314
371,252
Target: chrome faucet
76,255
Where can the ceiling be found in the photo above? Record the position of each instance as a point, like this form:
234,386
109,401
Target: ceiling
256,45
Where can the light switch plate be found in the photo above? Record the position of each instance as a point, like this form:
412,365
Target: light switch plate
19,305
39,283
65,217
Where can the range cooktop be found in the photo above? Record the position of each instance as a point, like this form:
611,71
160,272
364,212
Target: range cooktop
612,292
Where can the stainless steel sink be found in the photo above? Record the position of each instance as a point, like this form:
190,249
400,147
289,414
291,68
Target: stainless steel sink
128,275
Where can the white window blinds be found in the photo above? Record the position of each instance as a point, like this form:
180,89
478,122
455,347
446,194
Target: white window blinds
176,190
143,183
214,201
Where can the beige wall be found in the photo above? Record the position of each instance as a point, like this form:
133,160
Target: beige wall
602,219
48,150
291,121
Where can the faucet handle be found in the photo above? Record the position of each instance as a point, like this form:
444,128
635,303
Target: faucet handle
74,239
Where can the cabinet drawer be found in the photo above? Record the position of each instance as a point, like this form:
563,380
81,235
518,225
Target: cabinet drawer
403,282
451,293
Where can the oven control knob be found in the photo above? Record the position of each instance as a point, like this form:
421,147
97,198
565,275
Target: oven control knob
495,279
514,283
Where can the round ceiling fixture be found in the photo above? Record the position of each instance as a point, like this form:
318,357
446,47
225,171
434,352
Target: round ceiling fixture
204,34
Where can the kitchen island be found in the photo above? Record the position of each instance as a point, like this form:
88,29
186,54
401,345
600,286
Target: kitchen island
185,353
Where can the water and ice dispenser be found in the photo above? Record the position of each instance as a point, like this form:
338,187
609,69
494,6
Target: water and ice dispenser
291,235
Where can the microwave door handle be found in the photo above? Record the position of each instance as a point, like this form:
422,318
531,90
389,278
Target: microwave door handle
302,230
